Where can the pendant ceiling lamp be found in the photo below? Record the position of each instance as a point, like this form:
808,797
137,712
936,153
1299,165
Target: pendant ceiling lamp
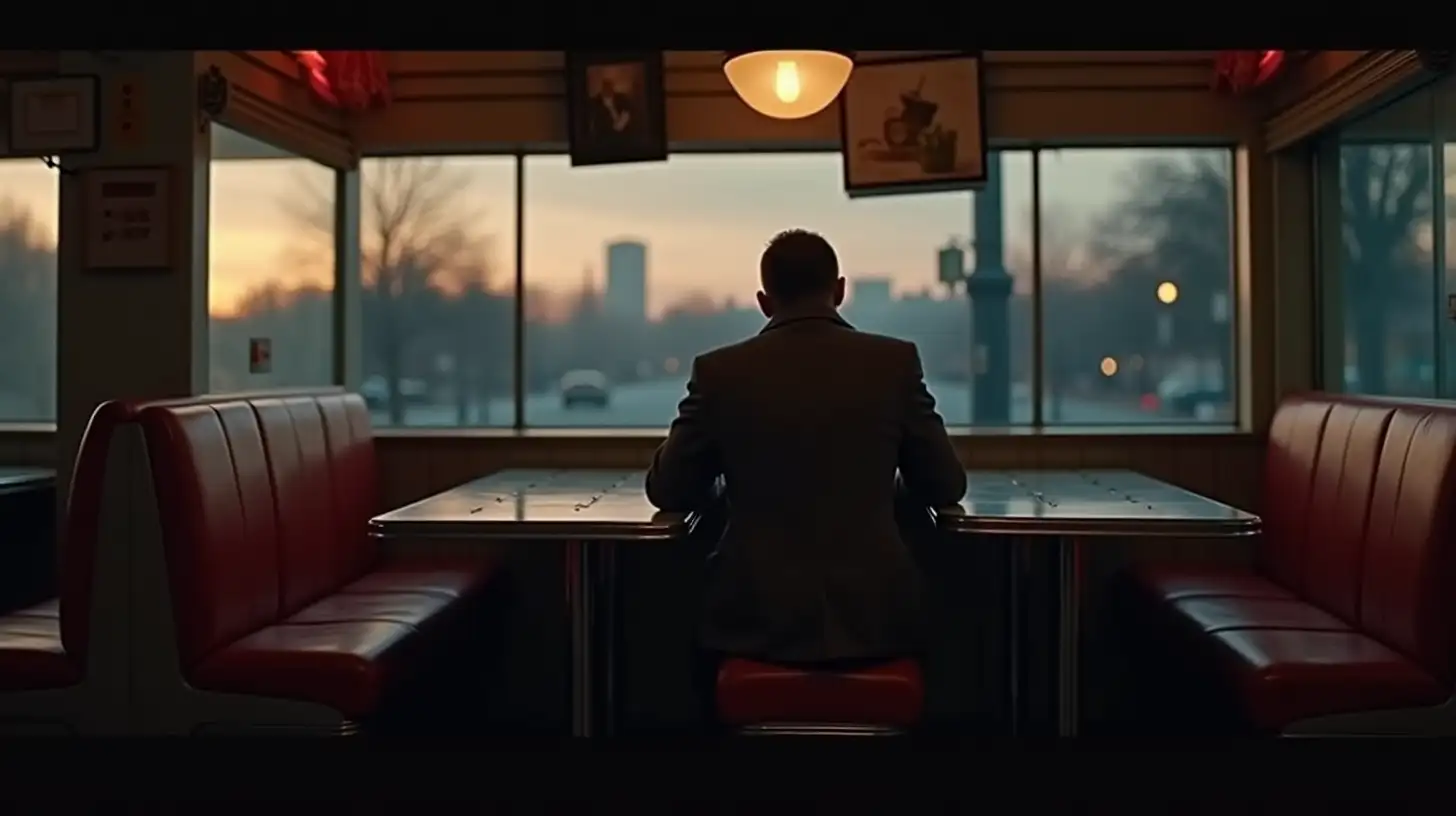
788,84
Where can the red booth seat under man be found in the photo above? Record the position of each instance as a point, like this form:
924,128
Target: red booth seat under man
282,612
763,698
1348,622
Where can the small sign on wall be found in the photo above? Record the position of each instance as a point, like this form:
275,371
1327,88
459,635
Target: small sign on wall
127,219
260,355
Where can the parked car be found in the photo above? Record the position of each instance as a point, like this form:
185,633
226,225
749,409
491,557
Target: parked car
584,389
1184,397
375,391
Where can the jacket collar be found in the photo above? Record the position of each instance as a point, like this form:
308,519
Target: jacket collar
784,318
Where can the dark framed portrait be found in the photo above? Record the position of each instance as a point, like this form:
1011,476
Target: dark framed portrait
916,124
616,107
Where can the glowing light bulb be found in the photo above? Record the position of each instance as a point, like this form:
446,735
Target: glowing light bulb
786,82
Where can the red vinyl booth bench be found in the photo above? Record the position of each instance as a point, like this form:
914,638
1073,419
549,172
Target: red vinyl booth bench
763,699
1347,625
64,662
279,611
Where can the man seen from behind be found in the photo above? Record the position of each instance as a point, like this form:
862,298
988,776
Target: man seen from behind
808,422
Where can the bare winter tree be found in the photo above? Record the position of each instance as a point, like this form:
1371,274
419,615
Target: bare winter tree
422,254
28,314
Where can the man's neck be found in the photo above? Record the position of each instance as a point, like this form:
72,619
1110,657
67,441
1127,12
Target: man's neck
806,308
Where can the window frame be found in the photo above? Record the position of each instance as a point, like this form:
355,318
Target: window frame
350,329
24,429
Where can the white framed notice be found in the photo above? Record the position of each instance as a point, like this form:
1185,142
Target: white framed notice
128,215
54,115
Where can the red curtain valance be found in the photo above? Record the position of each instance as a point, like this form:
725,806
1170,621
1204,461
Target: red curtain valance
1240,71
351,80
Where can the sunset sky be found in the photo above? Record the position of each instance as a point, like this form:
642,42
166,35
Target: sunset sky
705,218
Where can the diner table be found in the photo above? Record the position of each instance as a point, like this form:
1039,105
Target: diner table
587,513
1065,509
27,561
22,479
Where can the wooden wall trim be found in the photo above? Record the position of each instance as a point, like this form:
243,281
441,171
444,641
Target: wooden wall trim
268,100
462,102
1337,85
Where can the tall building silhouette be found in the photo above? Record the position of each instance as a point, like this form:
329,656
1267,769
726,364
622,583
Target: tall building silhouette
625,298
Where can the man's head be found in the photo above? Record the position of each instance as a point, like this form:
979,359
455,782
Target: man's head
799,269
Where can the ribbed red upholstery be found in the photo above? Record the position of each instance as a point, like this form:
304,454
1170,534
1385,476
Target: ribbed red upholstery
1353,606
752,693
276,588
1289,466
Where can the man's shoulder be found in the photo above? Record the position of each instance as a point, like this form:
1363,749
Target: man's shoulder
884,341
721,356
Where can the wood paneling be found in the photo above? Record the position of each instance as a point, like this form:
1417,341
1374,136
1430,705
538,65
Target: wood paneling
18,447
460,101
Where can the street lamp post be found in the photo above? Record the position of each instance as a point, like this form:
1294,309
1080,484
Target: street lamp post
988,289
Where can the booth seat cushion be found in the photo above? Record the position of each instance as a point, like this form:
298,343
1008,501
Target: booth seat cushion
1210,614
449,577
750,692
346,665
350,649
31,656
1285,675
1177,582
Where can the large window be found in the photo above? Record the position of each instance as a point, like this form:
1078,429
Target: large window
1137,300
29,208
438,240
628,272
631,271
1383,279
271,266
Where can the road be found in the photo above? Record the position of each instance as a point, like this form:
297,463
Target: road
652,405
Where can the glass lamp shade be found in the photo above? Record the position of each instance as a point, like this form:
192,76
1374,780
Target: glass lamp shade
788,84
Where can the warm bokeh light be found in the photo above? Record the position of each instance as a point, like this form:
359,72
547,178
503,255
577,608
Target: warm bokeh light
1108,367
1168,293
788,84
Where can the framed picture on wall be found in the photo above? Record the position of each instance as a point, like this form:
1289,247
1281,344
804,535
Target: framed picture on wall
616,107
916,124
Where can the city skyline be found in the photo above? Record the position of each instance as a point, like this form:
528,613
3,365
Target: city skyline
705,217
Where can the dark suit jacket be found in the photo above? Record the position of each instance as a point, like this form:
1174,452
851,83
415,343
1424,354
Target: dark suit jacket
808,422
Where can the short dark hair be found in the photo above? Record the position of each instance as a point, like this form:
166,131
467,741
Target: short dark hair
797,263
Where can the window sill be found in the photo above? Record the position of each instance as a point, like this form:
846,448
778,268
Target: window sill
956,432
19,429
27,428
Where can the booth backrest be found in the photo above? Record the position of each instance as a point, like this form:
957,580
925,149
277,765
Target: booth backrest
1408,592
264,506
1289,467
1360,514
80,529
322,471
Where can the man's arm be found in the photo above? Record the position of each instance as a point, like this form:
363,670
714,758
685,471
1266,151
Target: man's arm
929,468
687,463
